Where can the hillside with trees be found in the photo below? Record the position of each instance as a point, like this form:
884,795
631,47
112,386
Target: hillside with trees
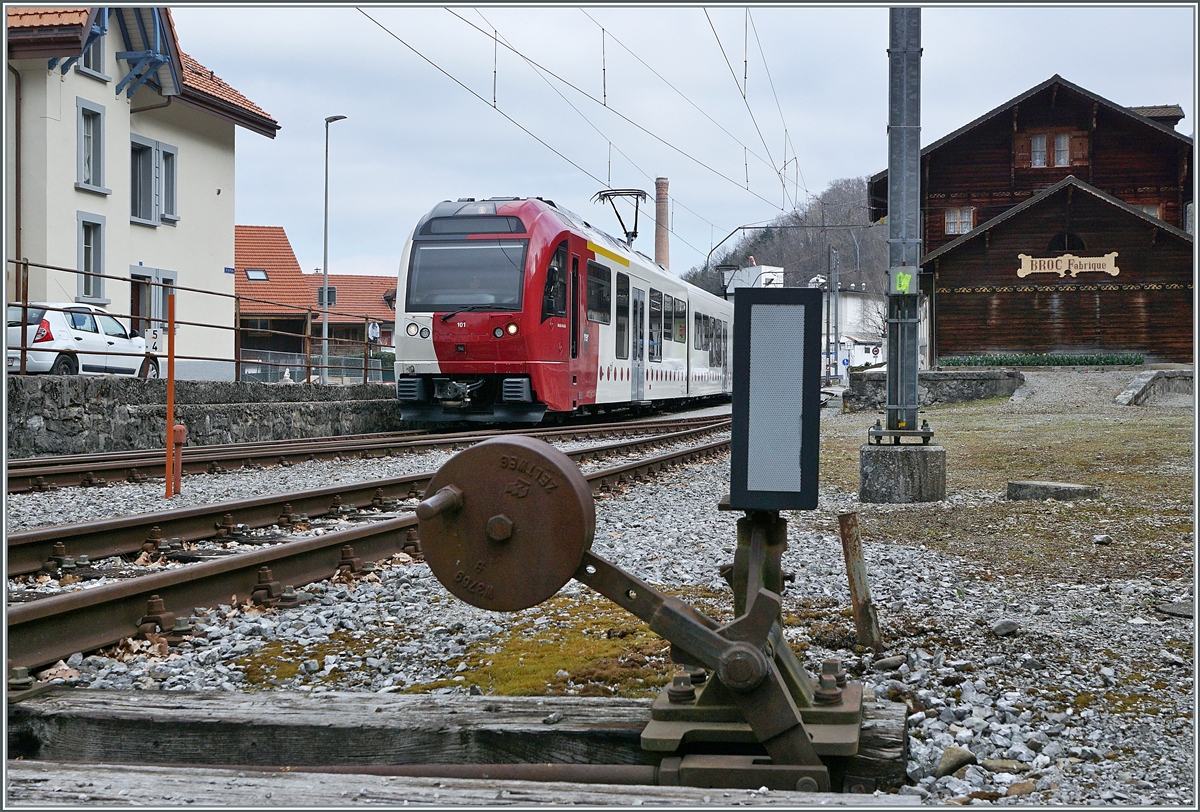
799,241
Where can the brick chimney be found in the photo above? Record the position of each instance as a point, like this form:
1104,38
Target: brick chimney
662,245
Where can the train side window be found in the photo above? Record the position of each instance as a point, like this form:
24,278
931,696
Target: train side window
554,301
680,321
668,317
622,316
697,332
656,313
706,333
599,293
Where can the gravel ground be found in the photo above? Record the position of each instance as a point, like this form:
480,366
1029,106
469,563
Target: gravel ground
1023,688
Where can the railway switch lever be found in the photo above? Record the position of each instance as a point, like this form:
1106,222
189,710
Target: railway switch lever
510,521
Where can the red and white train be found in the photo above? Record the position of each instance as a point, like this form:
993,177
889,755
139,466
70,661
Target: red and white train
512,309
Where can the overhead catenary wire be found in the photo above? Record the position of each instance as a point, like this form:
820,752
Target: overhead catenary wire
452,78
615,112
681,94
745,100
782,119
591,124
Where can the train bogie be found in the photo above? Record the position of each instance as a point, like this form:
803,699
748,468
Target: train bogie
513,309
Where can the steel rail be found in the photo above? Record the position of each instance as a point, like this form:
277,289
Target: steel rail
43,631
39,473
28,551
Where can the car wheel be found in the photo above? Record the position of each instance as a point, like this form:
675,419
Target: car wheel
149,369
63,365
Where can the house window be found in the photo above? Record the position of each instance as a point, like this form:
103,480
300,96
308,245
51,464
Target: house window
959,221
257,326
149,290
153,182
170,207
1062,149
1065,241
1151,209
90,287
89,170
92,62
141,189
256,275
1038,150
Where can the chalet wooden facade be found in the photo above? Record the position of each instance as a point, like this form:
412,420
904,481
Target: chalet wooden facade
1057,223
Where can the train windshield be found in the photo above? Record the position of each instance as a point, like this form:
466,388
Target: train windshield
480,274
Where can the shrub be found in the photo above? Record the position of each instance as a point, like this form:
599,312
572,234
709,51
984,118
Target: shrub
1043,360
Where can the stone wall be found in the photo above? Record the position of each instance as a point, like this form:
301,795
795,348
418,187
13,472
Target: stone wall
52,414
868,389
1156,383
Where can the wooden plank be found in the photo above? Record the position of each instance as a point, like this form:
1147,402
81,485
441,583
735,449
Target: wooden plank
290,728
39,784
346,729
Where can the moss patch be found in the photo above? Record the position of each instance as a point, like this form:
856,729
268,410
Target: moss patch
590,647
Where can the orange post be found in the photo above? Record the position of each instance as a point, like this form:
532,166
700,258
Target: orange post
179,438
170,394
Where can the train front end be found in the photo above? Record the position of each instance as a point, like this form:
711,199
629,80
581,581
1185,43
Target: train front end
461,336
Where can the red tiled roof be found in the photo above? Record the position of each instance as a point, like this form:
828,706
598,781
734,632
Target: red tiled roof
357,295
199,78
267,247
45,33
42,17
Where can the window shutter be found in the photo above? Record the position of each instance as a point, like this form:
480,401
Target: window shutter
1023,149
1079,150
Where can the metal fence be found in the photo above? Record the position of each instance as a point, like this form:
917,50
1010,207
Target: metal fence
347,356
281,367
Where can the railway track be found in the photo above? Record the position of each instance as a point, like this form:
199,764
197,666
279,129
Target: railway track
48,629
29,551
89,470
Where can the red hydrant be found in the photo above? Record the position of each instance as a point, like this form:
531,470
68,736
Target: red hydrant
179,438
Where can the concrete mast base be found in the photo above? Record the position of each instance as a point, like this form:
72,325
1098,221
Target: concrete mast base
900,474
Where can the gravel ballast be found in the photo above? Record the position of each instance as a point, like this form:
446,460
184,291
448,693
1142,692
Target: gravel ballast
1024,685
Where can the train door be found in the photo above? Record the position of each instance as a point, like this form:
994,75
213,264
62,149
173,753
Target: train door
573,308
638,364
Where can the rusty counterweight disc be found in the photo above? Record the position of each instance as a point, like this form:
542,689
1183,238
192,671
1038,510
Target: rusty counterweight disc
525,519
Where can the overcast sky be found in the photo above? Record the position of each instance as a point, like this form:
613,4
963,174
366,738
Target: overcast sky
663,94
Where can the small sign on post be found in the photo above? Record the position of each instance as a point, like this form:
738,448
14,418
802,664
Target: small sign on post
776,399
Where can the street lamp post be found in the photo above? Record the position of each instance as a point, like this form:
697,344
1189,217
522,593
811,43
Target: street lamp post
325,264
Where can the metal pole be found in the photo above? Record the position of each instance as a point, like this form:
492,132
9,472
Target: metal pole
237,338
23,287
325,263
170,394
366,347
308,347
837,323
904,213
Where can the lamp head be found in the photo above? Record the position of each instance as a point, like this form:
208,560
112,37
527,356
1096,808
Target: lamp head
332,119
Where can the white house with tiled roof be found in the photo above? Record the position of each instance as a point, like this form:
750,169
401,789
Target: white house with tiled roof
119,161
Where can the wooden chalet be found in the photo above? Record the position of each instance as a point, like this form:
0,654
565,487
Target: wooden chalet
1058,222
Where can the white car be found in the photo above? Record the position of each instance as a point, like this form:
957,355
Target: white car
69,339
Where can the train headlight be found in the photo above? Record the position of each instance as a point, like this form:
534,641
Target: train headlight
511,328
424,332
498,332
412,328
